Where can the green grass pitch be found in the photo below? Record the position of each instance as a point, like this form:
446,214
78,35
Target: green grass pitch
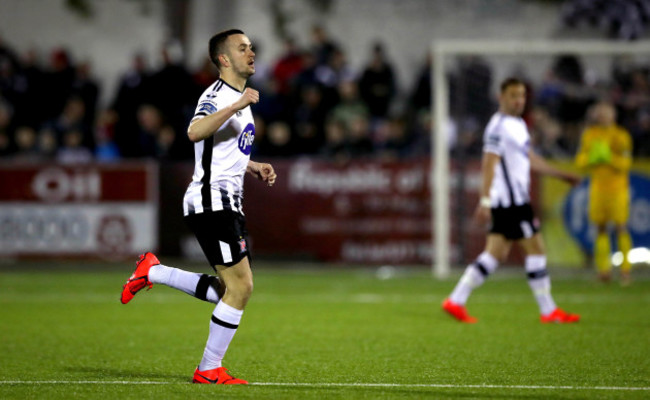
321,334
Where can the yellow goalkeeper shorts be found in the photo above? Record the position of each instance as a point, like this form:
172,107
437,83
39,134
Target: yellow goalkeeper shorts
609,207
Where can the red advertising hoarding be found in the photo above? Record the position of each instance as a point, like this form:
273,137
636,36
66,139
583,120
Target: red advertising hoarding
363,212
86,210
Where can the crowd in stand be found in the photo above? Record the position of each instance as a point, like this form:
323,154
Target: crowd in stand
311,103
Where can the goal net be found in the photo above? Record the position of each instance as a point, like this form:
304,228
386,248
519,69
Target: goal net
564,79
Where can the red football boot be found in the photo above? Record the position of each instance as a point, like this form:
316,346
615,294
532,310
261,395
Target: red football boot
559,316
458,311
219,376
140,278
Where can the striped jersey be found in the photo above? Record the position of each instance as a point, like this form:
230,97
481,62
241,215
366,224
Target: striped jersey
507,136
220,160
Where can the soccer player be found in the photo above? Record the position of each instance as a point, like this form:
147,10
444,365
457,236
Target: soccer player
605,152
222,131
505,197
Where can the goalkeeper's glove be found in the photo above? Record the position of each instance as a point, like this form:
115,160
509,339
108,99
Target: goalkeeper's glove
600,153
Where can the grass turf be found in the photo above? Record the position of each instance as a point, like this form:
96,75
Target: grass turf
314,334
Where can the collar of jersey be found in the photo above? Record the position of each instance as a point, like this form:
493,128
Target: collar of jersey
227,84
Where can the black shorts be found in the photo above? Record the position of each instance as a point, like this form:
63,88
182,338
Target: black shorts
222,235
516,222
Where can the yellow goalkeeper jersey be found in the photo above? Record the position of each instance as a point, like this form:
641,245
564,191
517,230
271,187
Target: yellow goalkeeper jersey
606,153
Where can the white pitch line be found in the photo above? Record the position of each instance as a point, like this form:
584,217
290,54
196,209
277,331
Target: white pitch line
337,384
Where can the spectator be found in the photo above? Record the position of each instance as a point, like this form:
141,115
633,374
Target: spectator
73,118
5,145
278,141
574,99
58,83
26,145
322,46
204,76
133,90
335,147
35,80
350,107
546,134
73,151
6,114
105,148
287,67
13,86
172,89
153,136
330,75
360,142
87,89
421,95
47,144
392,141
473,90
5,129
377,84
309,119
307,75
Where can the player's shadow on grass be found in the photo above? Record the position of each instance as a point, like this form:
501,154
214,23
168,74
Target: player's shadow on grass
97,373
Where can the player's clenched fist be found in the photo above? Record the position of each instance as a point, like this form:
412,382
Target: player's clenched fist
250,96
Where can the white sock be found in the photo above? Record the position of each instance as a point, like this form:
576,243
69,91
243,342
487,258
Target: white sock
223,326
201,286
474,276
540,283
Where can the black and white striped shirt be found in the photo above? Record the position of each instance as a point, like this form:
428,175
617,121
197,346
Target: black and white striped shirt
507,136
220,161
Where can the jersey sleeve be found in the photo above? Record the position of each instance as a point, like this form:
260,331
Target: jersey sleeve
493,141
204,108
622,158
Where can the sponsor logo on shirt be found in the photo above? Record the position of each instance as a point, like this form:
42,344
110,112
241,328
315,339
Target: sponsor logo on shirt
246,139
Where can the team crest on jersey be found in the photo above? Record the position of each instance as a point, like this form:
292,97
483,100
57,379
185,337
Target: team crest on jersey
246,139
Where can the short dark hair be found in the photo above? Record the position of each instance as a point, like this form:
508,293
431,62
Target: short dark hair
217,44
512,81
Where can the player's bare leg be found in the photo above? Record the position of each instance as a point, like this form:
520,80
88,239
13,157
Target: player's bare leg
238,280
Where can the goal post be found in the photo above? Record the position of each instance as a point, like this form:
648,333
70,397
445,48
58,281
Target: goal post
443,52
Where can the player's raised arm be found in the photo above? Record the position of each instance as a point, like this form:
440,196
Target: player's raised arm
202,128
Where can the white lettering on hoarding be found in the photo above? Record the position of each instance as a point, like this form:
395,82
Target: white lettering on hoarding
71,229
56,184
304,178
42,229
390,251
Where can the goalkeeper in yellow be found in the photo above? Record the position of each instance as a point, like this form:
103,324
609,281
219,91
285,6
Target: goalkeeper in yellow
605,153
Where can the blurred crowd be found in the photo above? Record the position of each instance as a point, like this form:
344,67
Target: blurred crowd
559,105
312,102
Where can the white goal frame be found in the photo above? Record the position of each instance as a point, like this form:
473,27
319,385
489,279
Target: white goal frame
445,49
